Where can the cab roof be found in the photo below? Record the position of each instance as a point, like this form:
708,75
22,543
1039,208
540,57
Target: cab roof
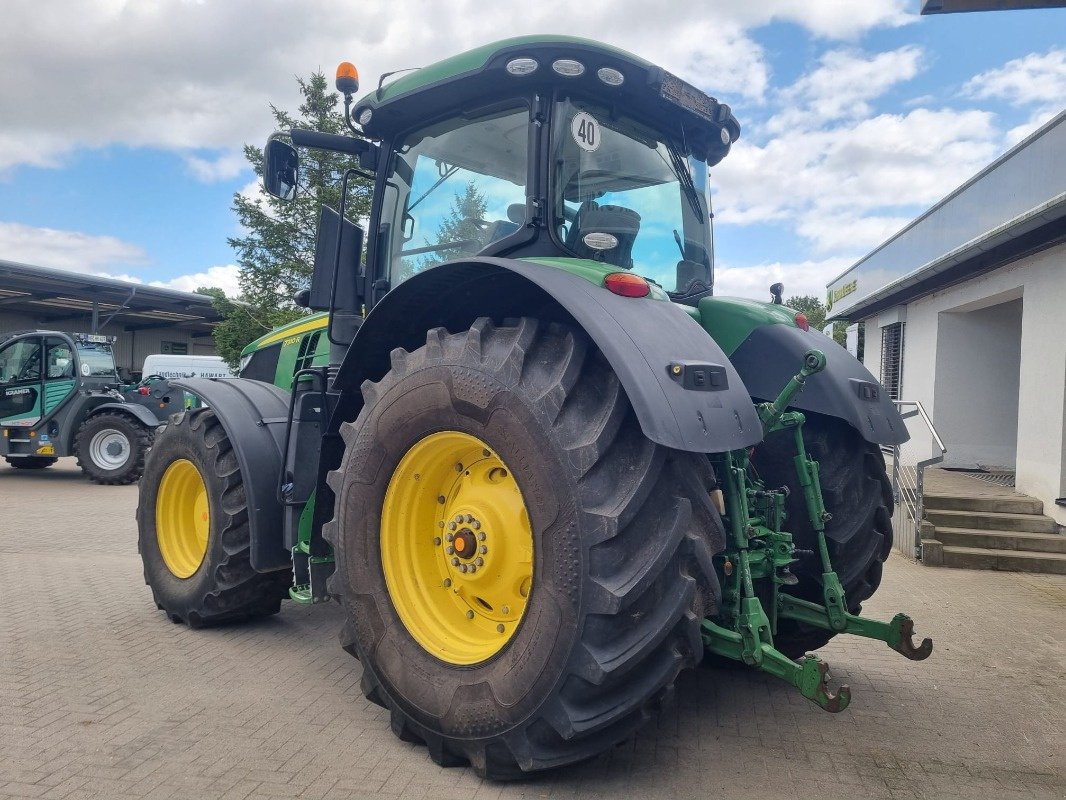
479,77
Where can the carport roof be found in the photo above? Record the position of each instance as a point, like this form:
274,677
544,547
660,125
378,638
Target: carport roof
55,295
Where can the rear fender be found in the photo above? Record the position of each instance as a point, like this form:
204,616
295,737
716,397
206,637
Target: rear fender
139,412
772,354
642,338
253,414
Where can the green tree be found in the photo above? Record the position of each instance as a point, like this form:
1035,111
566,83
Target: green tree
815,312
276,250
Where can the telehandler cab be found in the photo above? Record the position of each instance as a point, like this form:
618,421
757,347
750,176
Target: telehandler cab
540,466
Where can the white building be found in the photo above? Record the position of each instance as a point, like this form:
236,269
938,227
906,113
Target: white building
964,310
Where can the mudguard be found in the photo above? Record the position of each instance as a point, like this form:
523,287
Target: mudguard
142,414
253,414
772,354
651,344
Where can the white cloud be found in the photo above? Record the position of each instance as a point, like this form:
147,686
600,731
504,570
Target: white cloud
1038,78
807,277
71,250
226,165
842,86
860,178
223,277
180,75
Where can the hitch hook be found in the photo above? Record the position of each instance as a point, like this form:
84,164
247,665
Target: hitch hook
903,642
814,685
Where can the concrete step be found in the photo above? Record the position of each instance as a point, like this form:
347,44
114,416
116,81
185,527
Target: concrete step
1008,560
991,521
1001,540
1003,504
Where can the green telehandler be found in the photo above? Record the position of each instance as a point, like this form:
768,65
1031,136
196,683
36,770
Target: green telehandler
538,464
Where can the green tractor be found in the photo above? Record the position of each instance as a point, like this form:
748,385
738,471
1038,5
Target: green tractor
60,395
538,464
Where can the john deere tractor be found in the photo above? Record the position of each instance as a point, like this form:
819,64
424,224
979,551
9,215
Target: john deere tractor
538,464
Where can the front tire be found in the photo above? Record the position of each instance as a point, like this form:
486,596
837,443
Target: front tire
192,521
621,530
111,448
857,492
31,462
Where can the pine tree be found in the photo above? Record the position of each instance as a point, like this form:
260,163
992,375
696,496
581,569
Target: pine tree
276,253
465,222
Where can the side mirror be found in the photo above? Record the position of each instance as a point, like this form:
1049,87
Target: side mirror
281,166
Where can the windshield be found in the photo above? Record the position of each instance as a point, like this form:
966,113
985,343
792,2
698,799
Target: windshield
96,360
626,197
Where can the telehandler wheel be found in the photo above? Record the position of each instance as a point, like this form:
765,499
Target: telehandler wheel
111,448
523,572
857,492
31,462
192,523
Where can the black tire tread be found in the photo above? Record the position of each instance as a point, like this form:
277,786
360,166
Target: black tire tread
140,437
856,490
31,462
648,594
237,592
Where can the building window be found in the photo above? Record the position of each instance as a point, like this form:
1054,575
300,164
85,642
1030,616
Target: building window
174,348
892,359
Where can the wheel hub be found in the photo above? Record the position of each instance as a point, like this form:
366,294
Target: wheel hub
456,547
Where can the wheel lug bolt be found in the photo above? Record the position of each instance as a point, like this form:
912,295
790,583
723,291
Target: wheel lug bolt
483,549
463,568
452,526
472,569
449,550
455,562
459,466
469,517
447,582
475,524
436,541
506,609
440,499
499,628
449,537
459,518
440,524
479,561
469,614
481,536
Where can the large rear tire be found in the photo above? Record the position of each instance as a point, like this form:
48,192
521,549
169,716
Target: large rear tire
111,448
192,520
620,535
857,492
31,462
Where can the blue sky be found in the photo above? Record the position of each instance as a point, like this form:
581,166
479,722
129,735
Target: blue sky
122,122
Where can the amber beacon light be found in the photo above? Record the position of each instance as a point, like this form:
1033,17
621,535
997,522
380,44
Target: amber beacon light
347,78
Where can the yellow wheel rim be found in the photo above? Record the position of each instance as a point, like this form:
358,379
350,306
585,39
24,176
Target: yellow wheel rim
182,518
456,547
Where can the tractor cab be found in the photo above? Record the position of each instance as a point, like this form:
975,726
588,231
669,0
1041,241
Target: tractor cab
546,147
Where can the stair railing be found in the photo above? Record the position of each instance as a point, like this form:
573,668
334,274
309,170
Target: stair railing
908,484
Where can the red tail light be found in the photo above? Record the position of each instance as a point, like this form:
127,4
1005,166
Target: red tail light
627,284
801,321
143,391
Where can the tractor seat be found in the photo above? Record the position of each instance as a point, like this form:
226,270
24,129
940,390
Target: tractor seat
620,222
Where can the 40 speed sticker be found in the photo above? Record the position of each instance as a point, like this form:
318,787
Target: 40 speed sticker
586,131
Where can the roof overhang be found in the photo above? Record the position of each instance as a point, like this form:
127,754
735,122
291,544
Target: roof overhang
53,296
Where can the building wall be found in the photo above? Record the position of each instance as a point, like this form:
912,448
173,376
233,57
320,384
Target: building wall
131,346
1036,284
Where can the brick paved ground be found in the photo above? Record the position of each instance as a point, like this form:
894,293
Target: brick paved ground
100,696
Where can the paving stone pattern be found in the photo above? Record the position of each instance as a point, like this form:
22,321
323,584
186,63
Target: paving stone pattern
101,696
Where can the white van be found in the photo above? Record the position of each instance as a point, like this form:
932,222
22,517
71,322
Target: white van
174,367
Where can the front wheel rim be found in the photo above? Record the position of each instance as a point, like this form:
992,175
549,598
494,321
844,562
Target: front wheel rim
456,547
109,449
182,518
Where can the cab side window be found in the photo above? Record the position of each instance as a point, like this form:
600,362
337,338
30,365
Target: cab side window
20,362
59,360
